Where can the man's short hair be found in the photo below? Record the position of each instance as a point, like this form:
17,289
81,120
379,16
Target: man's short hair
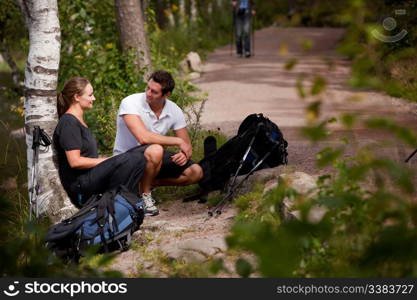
164,79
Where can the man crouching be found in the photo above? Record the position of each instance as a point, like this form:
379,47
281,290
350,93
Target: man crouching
144,119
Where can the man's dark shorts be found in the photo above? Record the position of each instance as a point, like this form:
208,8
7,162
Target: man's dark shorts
169,169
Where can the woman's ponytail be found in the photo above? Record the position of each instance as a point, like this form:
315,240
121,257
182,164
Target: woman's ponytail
62,105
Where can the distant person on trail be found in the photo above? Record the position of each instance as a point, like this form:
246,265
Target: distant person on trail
144,119
82,172
242,15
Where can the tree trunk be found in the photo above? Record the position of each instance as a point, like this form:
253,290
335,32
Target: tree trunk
5,53
188,9
132,32
203,9
209,9
144,5
193,10
161,18
182,8
41,77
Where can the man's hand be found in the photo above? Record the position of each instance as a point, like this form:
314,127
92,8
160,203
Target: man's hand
179,159
186,149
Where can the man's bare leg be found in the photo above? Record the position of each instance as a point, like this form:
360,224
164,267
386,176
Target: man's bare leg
191,175
153,155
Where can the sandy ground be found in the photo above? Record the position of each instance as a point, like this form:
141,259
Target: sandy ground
237,87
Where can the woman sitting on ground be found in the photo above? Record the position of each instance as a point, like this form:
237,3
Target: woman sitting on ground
83,173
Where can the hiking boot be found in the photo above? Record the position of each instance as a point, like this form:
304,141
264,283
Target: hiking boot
150,208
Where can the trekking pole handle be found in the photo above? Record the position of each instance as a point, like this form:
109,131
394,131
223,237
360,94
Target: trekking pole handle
40,138
36,137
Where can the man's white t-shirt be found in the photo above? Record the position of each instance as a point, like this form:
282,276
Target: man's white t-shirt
171,117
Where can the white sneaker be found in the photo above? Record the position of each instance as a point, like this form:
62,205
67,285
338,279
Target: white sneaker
150,208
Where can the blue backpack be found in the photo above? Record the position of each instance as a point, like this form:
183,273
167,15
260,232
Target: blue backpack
107,220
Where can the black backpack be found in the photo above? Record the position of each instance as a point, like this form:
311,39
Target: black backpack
107,220
259,144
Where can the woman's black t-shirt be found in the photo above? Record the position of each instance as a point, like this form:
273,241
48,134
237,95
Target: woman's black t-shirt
70,134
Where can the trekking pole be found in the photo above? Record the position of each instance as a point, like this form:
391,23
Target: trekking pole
33,177
40,138
411,155
232,38
231,189
253,35
232,186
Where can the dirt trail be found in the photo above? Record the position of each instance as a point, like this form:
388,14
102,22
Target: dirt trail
238,87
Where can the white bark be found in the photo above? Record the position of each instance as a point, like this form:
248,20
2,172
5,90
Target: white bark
182,10
171,19
210,9
193,10
41,76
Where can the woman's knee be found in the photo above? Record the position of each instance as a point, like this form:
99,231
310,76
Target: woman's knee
132,160
154,153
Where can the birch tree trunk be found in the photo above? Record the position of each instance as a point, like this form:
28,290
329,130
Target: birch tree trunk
182,6
193,10
209,9
41,77
182,11
132,32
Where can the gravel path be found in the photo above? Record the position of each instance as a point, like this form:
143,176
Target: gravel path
238,87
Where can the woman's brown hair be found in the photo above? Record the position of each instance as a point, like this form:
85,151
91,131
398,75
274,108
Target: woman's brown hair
73,86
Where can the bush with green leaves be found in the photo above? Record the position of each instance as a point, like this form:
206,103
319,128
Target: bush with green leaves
387,66
90,48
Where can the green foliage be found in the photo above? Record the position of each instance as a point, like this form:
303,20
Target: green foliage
402,133
12,27
368,229
170,45
318,13
316,133
24,254
243,267
387,66
90,49
290,64
319,84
